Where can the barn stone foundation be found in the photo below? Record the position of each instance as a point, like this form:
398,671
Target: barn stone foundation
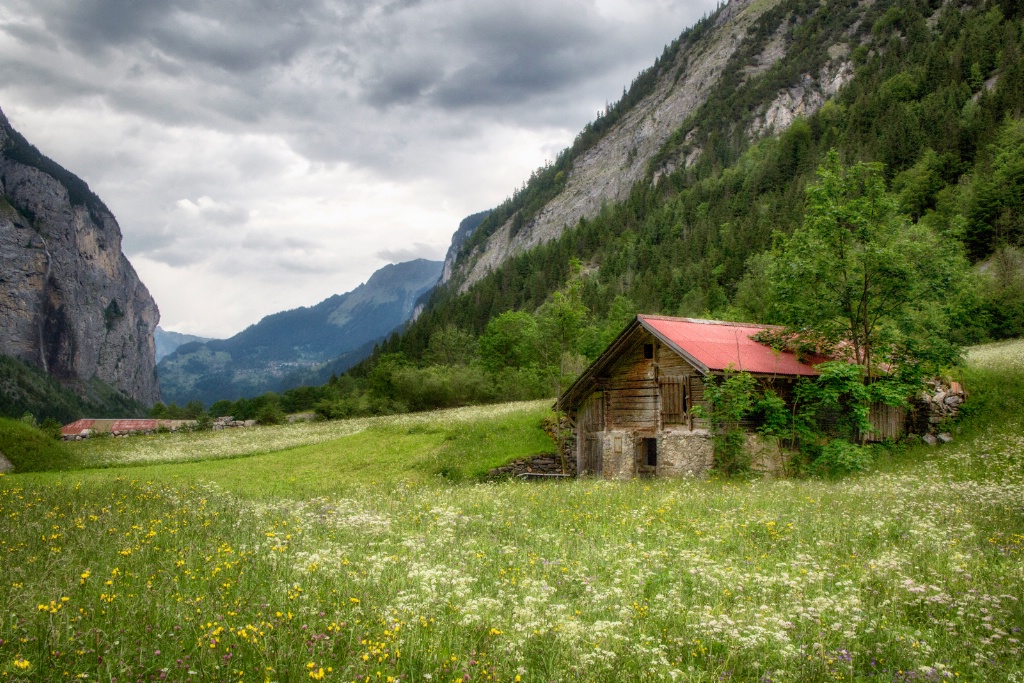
684,453
767,456
619,454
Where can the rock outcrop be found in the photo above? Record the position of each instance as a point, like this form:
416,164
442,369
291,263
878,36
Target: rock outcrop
608,171
70,302
935,406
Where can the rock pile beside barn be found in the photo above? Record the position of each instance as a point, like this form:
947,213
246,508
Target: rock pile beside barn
540,465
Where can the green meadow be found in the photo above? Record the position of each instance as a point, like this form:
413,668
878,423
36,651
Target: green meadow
376,550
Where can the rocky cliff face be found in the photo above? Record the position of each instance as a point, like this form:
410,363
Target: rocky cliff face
70,302
608,171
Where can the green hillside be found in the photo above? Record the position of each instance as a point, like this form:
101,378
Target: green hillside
25,389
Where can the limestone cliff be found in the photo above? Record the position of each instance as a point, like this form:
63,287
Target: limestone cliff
70,302
608,171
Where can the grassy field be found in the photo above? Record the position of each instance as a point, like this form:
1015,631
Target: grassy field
376,554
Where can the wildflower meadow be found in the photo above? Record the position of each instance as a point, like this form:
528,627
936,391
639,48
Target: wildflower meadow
310,563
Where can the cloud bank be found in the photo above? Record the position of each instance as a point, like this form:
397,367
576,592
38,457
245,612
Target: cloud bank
263,155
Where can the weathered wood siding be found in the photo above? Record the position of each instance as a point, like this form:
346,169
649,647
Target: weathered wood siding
631,390
888,422
645,395
590,426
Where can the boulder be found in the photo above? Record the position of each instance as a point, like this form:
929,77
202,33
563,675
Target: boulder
5,464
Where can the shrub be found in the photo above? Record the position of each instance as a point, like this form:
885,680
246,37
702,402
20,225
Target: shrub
31,450
270,414
729,402
839,457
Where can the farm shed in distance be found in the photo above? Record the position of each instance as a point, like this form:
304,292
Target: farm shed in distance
632,409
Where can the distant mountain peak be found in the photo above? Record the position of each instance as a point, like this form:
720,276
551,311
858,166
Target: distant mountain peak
271,354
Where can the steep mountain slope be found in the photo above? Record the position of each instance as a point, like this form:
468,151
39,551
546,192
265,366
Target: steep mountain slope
932,89
607,171
70,302
274,353
466,228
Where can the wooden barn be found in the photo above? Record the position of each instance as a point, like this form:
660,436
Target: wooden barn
632,409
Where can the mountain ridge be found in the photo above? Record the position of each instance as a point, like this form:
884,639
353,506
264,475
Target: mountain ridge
933,91
608,170
283,348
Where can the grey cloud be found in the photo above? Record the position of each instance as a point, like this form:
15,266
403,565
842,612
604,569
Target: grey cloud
305,266
417,250
490,54
342,80
30,34
269,242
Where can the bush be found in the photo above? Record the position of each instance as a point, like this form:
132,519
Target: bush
31,450
839,457
441,387
728,403
270,414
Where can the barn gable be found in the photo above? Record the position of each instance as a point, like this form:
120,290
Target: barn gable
633,408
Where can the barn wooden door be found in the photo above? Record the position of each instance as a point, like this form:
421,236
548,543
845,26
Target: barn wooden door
590,428
592,462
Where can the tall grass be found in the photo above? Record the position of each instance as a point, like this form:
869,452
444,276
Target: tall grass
31,450
198,572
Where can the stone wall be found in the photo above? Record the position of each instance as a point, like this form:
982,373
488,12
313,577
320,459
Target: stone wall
619,455
229,422
939,402
685,453
540,464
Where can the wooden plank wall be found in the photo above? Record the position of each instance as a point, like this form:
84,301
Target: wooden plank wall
632,391
889,422
633,404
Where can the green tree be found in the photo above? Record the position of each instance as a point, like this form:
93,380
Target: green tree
859,273
450,346
193,410
560,321
729,401
511,340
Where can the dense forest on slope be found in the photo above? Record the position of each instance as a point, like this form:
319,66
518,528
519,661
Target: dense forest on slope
936,97
26,389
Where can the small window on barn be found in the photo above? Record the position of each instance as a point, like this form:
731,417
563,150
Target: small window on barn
650,452
648,351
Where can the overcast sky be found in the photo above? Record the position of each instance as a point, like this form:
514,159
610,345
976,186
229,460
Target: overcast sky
267,154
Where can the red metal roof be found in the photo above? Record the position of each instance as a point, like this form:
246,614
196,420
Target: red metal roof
133,425
76,427
720,345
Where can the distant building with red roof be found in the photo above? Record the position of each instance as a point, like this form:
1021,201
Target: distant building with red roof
633,408
83,429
